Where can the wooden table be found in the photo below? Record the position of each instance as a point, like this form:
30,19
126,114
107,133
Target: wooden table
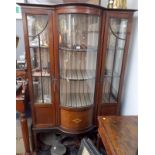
119,134
22,97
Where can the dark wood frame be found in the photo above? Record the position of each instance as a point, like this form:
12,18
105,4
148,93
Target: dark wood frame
53,110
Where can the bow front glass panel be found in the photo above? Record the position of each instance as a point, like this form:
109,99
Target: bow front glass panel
78,49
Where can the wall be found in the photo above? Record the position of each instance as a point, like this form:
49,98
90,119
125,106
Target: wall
130,91
19,32
129,99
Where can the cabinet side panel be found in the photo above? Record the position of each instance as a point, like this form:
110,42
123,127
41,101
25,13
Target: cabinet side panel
44,115
115,51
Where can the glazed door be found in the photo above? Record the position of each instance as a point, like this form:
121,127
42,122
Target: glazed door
116,40
40,65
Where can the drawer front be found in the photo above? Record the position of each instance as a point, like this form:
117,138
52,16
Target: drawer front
76,120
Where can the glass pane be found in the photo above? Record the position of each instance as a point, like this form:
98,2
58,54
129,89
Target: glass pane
42,90
78,47
37,30
114,57
40,57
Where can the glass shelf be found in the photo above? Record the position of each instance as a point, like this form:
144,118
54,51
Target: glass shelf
111,49
76,99
42,46
77,93
77,74
41,74
110,74
47,99
37,72
91,49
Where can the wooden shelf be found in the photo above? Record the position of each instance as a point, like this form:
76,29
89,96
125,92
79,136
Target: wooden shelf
77,74
76,100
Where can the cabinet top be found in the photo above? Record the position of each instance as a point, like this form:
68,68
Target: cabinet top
73,4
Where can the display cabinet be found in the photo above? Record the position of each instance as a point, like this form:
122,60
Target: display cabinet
76,56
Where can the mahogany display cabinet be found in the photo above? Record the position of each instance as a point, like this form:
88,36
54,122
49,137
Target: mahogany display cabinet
76,56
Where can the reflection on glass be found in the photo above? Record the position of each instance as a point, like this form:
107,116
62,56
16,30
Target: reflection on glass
78,46
114,57
40,58
37,30
41,89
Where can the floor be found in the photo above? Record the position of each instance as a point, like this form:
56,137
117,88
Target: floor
71,144
19,138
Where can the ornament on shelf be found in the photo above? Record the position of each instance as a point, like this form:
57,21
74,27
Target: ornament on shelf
117,4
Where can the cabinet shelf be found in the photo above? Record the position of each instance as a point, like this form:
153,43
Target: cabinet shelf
46,100
110,74
36,46
76,100
39,74
77,74
111,49
78,50
85,32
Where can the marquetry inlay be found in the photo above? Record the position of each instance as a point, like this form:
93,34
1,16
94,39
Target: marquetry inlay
77,120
